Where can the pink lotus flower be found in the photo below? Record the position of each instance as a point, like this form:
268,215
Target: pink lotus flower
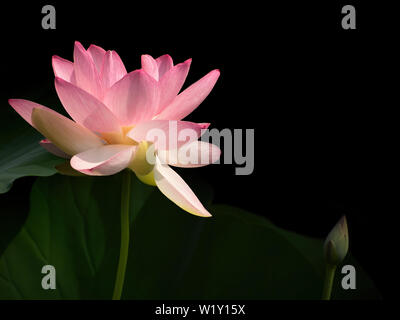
113,112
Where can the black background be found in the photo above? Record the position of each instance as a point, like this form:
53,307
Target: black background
317,96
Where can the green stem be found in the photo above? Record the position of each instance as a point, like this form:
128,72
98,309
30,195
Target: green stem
329,276
123,253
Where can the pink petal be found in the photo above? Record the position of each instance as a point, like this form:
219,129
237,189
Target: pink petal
113,69
133,98
66,135
171,83
63,69
86,74
166,134
103,161
164,63
25,107
192,155
175,189
150,66
190,98
97,54
53,149
86,109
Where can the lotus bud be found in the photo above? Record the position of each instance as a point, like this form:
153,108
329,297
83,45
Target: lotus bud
337,243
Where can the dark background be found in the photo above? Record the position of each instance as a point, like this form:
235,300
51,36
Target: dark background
317,96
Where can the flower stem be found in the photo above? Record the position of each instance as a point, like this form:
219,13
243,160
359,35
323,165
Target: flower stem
124,249
329,276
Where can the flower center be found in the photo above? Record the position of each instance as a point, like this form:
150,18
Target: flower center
119,137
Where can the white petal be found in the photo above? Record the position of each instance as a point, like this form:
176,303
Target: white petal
192,155
103,161
175,189
68,136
